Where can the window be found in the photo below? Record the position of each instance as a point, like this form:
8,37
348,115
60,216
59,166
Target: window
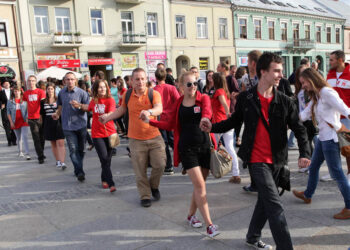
41,20
202,27
337,35
3,35
127,22
307,31
96,22
223,28
243,28
329,33
62,20
318,34
271,25
180,26
284,31
296,31
257,28
152,27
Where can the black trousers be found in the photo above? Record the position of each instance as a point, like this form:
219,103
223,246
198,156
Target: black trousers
168,138
268,207
10,135
38,136
104,152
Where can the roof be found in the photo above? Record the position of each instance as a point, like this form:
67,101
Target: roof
338,7
310,7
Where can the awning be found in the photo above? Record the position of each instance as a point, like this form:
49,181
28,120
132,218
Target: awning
55,73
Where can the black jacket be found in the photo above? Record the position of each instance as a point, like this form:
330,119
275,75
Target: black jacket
284,87
282,114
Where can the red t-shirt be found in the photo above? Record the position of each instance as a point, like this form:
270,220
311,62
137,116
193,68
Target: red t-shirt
169,96
19,122
120,96
262,145
33,98
104,106
219,113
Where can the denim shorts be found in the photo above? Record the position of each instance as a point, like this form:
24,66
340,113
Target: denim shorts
194,156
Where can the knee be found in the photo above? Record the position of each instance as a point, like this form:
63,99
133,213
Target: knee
200,190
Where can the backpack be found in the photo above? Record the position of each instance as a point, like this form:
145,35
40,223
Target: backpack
127,98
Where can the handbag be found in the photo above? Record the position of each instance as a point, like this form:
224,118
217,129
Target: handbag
113,139
220,161
344,143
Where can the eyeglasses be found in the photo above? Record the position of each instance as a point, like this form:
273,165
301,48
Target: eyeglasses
189,84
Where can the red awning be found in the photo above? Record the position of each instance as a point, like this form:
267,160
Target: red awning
44,64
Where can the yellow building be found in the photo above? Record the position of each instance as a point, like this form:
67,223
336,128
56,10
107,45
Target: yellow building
9,62
201,35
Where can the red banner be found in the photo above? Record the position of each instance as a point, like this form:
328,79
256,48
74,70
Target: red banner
44,64
101,61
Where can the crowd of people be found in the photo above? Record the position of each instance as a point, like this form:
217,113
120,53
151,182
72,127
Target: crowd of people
171,121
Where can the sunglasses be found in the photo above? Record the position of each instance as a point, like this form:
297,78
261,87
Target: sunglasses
189,84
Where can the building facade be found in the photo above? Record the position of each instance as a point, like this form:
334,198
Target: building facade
9,56
114,36
201,35
293,29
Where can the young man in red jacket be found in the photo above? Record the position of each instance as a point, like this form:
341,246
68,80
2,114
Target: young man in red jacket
339,78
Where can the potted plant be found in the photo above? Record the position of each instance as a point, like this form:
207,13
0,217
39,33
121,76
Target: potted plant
67,37
58,37
77,37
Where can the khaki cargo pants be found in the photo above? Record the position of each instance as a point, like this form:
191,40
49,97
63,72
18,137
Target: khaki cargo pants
143,153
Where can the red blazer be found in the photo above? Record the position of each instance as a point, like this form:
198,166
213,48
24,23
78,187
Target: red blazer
173,123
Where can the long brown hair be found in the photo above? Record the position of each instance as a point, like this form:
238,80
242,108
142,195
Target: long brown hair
220,83
297,80
95,90
47,98
317,82
16,87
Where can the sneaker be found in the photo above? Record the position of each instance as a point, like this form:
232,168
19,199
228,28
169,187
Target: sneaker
343,215
41,161
168,171
81,177
155,194
104,185
235,179
212,230
21,155
58,164
259,245
301,196
146,203
326,178
194,222
64,166
27,157
112,189
249,189
303,170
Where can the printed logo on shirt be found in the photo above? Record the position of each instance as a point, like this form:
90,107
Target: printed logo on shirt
197,109
33,98
18,106
100,108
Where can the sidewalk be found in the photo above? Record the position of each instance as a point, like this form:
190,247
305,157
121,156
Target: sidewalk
45,208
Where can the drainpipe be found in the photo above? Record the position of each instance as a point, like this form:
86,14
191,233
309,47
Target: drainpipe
31,38
76,30
165,38
19,54
233,9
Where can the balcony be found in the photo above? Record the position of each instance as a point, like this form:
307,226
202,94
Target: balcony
130,1
133,40
66,40
300,45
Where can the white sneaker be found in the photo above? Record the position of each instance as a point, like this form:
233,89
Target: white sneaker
303,170
194,222
58,164
27,157
326,178
259,245
21,155
212,230
64,166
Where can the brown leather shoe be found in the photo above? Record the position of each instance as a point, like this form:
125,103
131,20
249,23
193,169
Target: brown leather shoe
235,179
343,215
300,195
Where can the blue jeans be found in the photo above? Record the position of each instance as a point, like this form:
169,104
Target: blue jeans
329,151
76,144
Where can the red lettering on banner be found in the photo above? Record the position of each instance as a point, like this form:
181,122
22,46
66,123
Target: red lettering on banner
101,61
44,64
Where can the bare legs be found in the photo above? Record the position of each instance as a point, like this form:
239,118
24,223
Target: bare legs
58,150
198,176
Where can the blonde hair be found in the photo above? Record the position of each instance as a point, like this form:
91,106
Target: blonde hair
185,74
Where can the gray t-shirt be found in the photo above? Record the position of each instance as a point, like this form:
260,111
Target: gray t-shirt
249,83
72,118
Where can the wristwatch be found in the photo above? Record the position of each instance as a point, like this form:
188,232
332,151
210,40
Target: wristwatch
79,106
150,111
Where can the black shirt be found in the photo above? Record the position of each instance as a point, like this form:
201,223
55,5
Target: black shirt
191,134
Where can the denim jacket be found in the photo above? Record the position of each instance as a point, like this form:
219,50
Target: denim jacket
11,109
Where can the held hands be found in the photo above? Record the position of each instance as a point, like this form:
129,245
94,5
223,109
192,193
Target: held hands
103,118
205,125
144,116
303,162
75,104
12,125
55,116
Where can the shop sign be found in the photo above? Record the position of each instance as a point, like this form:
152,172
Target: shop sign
101,61
203,64
155,55
243,61
129,61
7,72
44,64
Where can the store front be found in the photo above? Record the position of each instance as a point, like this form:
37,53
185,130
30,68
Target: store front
101,62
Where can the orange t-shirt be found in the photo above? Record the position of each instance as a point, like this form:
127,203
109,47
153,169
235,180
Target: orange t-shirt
137,128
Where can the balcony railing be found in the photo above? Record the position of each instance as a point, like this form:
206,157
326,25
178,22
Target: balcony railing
66,40
300,44
133,39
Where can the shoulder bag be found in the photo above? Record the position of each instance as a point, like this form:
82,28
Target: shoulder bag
220,161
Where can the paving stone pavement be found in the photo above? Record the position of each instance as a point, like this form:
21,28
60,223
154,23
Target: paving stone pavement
42,207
